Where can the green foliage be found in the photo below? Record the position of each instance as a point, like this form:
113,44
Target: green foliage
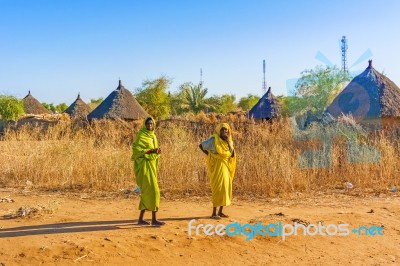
284,101
49,106
316,89
195,98
10,107
95,102
297,105
154,98
228,103
178,102
55,108
246,103
222,104
192,98
61,107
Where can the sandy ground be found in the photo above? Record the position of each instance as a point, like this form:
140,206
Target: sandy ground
87,230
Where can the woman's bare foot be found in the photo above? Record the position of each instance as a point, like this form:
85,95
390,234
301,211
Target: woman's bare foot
223,215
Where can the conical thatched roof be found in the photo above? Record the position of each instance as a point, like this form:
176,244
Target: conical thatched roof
267,107
120,104
369,95
33,106
78,109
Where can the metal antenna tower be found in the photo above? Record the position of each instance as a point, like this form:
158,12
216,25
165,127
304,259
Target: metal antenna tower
201,78
264,84
343,49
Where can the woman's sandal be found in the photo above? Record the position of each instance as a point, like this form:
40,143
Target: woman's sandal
223,215
143,222
215,217
157,223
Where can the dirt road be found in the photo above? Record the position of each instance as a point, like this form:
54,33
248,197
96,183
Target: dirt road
82,229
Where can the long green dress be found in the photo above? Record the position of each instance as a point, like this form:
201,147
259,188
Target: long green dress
145,168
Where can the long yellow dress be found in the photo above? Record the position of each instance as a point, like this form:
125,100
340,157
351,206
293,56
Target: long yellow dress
145,168
221,168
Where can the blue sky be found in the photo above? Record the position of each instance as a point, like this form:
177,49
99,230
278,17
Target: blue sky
58,49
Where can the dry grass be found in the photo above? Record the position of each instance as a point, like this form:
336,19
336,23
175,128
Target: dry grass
97,158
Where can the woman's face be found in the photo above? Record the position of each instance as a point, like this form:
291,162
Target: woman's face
149,125
224,133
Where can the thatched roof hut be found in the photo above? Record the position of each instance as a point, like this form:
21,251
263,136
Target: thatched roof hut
268,107
33,106
120,104
369,96
78,109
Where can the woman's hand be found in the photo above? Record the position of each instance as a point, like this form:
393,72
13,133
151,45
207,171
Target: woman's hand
201,148
156,151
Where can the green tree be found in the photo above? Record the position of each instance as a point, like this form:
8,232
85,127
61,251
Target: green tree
317,88
195,97
213,104
284,101
228,103
10,108
154,98
246,103
95,102
49,106
61,107
222,104
55,108
178,102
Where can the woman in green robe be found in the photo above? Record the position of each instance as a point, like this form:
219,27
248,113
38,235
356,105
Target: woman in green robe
145,154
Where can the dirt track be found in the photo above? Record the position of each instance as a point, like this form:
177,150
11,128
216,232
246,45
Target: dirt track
85,230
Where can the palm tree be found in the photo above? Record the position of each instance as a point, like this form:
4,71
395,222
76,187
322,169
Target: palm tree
195,97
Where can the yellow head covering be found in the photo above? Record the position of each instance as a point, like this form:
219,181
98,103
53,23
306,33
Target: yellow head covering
220,144
222,167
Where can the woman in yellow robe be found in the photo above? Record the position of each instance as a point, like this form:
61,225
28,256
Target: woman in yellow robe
145,154
221,164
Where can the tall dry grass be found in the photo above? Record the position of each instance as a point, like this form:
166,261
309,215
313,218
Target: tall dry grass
96,157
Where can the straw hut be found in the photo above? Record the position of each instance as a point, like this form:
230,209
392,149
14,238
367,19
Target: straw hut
33,106
267,108
78,109
120,104
371,98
